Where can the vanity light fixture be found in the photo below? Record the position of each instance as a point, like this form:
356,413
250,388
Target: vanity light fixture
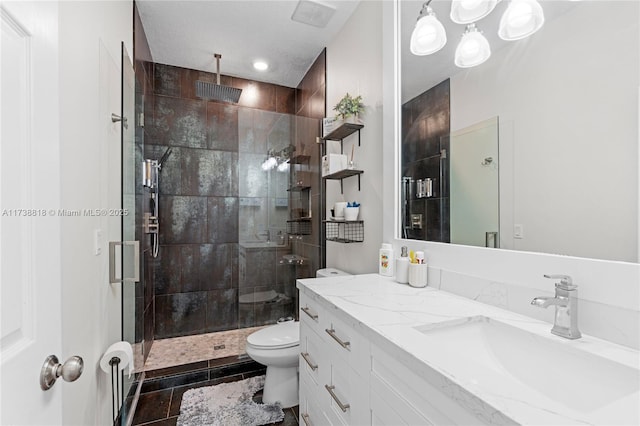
521,19
269,163
428,35
473,49
278,159
469,11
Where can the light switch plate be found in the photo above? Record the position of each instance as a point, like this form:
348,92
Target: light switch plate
518,231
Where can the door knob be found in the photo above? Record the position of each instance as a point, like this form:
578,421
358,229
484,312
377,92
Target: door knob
52,369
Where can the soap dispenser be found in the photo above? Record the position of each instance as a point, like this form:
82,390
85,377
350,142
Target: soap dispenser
402,266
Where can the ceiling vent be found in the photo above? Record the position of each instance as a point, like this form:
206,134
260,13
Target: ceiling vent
313,13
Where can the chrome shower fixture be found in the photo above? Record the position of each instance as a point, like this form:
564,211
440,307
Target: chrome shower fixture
151,222
424,188
150,173
151,170
217,92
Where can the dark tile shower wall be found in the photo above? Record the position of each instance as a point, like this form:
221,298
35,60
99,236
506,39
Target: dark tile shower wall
197,274
425,134
310,109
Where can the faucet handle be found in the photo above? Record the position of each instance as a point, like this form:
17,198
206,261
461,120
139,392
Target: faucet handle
566,283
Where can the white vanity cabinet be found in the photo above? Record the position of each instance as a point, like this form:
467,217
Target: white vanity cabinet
346,380
334,369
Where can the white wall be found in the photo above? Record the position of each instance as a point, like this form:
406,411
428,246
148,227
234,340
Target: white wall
354,61
90,37
567,100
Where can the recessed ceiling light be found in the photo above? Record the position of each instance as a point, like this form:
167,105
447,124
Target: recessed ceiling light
260,65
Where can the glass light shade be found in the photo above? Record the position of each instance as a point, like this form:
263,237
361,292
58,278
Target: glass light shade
283,167
521,19
468,11
473,49
428,35
269,164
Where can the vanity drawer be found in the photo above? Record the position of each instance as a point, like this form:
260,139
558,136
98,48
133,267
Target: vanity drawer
344,343
346,397
339,395
313,363
393,410
419,397
311,313
309,408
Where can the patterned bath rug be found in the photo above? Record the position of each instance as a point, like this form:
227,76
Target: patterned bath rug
227,404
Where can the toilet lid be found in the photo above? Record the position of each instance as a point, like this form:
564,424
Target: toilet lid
283,335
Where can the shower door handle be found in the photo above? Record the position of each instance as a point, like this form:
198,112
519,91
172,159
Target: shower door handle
489,236
112,262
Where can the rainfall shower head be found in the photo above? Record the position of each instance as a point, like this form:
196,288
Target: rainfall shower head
217,92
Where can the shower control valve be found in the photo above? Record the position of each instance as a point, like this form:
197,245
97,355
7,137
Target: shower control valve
150,224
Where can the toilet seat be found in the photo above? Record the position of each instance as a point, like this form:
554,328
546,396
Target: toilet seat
279,336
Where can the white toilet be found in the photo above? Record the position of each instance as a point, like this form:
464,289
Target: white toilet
278,347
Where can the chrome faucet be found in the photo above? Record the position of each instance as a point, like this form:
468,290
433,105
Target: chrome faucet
566,303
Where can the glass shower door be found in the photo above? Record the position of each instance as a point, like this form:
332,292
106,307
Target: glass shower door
131,291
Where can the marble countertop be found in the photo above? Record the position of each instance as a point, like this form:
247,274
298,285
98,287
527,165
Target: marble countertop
388,314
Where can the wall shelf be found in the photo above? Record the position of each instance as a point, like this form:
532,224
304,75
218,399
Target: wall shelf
341,231
344,231
343,131
343,174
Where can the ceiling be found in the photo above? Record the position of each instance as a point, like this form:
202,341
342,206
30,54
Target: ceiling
420,73
188,33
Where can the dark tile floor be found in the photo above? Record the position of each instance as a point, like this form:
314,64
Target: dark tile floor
162,390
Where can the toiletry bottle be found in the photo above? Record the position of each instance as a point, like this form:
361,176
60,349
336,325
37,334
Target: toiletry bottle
385,260
402,266
422,261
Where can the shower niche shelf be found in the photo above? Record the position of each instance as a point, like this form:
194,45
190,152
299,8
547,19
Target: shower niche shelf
298,188
300,159
344,231
300,226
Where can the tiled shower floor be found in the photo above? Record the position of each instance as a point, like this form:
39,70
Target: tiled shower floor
178,364
200,347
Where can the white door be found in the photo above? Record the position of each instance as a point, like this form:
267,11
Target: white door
30,281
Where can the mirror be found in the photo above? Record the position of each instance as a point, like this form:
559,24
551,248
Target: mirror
473,174
567,102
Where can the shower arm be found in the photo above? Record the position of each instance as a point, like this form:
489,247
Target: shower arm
217,56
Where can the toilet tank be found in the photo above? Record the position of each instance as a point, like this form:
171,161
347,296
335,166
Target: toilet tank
330,272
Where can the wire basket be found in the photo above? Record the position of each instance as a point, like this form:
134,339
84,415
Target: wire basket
345,231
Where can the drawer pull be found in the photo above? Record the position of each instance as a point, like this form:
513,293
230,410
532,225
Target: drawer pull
343,407
310,313
332,333
305,417
305,355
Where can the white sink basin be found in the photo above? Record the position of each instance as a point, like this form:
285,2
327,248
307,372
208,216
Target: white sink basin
495,355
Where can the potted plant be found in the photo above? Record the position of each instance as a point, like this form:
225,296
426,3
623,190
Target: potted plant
348,107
